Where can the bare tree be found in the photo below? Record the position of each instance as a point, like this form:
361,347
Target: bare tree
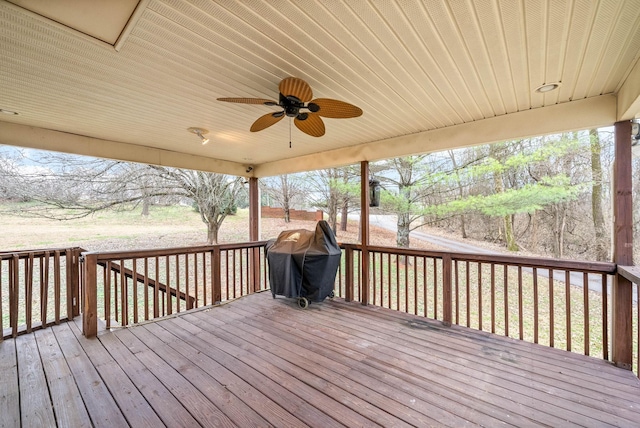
596,197
331,191
66,187
214,194
285,190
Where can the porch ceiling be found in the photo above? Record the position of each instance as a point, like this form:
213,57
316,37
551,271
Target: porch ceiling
427,74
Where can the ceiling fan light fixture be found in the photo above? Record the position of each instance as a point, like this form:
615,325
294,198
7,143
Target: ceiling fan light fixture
200,133
548,87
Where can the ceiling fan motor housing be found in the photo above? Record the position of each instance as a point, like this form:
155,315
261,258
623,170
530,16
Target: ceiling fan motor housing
291,105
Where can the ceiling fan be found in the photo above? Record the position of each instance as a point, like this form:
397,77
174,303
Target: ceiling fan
296,101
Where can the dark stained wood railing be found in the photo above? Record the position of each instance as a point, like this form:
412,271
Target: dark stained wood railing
558,303
632,273
37,289
123,288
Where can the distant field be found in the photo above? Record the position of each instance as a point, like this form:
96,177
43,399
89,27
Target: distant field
166,226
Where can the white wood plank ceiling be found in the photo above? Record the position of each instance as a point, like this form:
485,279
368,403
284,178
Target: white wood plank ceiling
428,75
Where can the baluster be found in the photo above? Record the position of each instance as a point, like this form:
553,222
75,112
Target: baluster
585,289
446,290
567,295
28,291
520,305
535,305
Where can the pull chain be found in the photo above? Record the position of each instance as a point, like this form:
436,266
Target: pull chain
290,132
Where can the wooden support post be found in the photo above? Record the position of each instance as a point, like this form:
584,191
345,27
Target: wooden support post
90,306
254,210
254,233
622,343
364,229
216,280
447,310
348,274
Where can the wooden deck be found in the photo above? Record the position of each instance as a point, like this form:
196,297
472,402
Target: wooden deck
263,362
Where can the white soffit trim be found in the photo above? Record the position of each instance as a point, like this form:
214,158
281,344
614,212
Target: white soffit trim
629,96
583,114
45,139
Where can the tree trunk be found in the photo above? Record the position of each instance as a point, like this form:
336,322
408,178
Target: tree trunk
212,233
402,237
145,207
287,215
344,216
533,242
332,209
601,252
509,236
460,192
560,214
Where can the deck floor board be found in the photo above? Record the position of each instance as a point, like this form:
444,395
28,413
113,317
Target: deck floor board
37,410
67,401
262,362
507,366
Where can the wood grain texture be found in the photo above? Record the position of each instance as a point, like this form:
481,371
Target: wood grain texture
65,396
258,361
9,392
35,404
100,404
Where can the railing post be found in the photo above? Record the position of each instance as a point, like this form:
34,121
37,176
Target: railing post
348,274
216,280
254,233
364,230
90,304
622,296
447,312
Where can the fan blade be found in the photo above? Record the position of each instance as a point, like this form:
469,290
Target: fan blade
312,125
292,86
266,121
249,101
336,109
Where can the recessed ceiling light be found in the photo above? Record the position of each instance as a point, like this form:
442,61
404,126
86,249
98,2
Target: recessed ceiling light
548,87
14,113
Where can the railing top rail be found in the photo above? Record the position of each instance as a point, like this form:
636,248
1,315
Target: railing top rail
24,254
632,273
138,254
537,262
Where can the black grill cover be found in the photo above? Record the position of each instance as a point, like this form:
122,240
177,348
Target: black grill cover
303,263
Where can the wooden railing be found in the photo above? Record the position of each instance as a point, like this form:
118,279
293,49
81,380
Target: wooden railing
122,288
38,288
632,273
558,303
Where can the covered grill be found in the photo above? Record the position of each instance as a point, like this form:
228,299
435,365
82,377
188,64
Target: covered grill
303,264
